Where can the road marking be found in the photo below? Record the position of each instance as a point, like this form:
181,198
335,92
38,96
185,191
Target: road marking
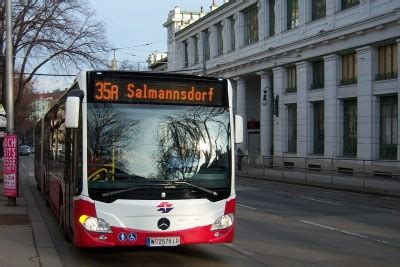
318,200
31,174
348,233
241,205
241,187
319,225
248,253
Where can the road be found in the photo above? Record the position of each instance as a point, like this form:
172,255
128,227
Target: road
277,225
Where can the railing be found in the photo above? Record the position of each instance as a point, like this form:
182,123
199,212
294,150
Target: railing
291,89
375,174
348,81
317,85
349,3
386,76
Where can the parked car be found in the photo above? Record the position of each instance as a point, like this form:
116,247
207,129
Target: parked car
24,150
32,148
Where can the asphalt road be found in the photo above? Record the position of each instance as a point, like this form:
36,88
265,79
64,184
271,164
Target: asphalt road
277,225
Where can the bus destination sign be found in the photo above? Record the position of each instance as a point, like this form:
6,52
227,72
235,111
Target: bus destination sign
141,91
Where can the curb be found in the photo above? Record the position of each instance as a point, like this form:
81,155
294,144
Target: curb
380,193
44,244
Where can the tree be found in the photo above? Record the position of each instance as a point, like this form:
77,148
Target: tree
63,34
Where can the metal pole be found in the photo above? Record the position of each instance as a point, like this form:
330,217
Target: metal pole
9,69
363,173
332,171
305,166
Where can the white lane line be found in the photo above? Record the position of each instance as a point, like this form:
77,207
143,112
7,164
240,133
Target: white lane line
23,165
246,206
241,187
31,174
248,253
319,225
347,232
318,200
350,233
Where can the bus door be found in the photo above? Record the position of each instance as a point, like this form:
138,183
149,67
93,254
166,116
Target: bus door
69,178
73,167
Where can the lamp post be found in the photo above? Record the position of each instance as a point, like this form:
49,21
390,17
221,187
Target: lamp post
9,69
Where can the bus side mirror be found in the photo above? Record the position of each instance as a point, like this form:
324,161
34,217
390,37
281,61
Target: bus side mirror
238,129
72,108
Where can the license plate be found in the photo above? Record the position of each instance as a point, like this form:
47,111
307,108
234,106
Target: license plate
163,241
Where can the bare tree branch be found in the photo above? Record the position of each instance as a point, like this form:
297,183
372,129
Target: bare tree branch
63,34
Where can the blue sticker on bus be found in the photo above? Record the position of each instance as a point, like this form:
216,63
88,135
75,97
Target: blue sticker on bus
122,236
132,237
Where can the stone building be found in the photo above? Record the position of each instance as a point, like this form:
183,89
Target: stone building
314,79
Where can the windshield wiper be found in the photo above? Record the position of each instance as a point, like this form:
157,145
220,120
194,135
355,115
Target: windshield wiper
208,191
165,183
131,189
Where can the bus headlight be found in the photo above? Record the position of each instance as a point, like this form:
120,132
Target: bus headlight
223,222
95,224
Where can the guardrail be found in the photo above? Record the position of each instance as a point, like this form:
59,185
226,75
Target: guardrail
337,170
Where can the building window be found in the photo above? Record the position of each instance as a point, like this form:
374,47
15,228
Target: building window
220,40
186,52
196,49
349,3
349,69
292,128
388,127
387,62
271,17
319,128
350,128
318,75
232,33
291,79
250,25
292,14
318,9
206,45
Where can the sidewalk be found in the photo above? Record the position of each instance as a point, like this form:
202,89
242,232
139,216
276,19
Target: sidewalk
370,185
24,238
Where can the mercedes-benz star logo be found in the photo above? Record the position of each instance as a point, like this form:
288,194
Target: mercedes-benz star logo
163,224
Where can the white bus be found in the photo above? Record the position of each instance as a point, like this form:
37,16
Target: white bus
140,159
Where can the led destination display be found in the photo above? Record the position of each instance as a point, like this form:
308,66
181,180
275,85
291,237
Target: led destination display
149,91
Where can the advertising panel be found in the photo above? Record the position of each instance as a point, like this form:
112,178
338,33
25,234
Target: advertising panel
10,145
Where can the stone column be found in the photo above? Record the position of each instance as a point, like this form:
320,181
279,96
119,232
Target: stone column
331,104
266,119
304,108
261,19
278,118
398,98
213,42
241,107
190,51
366,122
239,30
225,35
332,6
201,49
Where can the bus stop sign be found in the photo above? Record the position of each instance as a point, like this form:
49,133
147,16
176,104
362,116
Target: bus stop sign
10,145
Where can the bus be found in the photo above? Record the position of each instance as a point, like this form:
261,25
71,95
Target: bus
140,159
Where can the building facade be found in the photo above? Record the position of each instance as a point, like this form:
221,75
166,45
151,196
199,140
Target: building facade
157,62
313,79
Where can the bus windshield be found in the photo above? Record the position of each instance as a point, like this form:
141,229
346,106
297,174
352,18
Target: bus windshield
134,145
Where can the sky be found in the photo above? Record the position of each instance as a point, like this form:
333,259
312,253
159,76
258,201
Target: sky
132,24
